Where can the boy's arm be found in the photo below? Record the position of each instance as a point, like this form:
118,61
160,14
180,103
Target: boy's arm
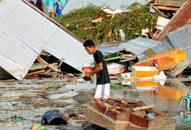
98,68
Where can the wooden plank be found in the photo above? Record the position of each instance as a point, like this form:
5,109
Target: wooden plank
41,61
172,3
139,121
35,73
136,122
51,66
143,108
54,67
160,7
37,66
43,53
112,112
100,119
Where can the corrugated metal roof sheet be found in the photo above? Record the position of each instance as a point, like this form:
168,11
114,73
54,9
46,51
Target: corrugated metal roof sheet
179,68
139,45
15,56
24,33
109,49
164,46
119,4
136,46
181,38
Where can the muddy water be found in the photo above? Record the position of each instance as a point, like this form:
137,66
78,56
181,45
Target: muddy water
165,98
23,103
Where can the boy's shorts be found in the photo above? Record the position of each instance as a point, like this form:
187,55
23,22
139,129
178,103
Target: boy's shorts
102,91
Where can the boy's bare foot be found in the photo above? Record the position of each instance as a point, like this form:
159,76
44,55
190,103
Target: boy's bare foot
98,101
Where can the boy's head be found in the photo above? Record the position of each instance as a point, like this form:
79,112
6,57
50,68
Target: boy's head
90,46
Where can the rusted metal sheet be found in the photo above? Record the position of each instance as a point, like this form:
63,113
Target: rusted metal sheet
181,18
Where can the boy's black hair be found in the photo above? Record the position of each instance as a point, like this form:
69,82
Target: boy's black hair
89,43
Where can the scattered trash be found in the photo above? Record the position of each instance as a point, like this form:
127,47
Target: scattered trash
152,9
145,32
122,34
116,86
37,127
98,20
112,12
126,75
18,118
185,116
162,22
77,118
53,117
126,82
151,115
115,68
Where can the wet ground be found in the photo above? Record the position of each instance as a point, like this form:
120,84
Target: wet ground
23,103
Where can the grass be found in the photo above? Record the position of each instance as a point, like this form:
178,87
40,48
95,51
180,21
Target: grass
80,23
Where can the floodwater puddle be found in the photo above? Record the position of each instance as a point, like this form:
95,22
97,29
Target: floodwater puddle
24,103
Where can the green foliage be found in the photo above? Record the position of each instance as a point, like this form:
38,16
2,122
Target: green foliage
80,23
116,86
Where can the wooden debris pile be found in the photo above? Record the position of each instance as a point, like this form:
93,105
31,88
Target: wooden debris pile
47,66
128,115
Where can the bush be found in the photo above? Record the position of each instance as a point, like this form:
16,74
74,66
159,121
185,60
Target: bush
80,23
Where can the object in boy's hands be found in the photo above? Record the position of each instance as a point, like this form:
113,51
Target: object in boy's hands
86,71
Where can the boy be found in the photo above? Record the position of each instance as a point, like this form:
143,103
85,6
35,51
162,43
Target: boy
101,71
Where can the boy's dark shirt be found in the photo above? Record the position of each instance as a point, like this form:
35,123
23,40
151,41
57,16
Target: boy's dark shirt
102,76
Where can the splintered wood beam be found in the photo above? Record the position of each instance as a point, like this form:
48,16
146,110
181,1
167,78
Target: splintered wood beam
166,8
36,72
37,66
51,66
143,108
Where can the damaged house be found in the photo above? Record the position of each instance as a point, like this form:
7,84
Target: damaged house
25,32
